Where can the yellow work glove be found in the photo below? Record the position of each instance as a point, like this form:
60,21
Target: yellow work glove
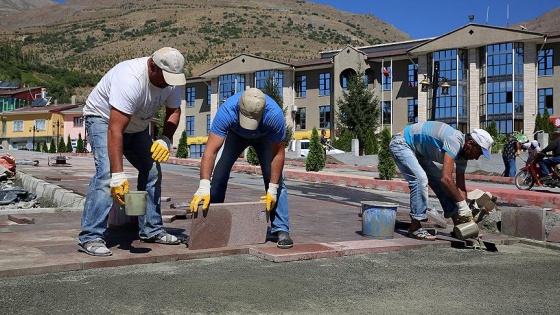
119,187
160,149
271,196
202,194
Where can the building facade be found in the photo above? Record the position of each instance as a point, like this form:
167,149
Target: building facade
467,78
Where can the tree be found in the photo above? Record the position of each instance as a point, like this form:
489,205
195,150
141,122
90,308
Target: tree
44,148
272,89
182,149
547,125
69,145
344,142
52,148
315,160
371,145
359,109
80,144
61,146
493,131
386,165
252,157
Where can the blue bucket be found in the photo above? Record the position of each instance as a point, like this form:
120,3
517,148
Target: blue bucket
378,219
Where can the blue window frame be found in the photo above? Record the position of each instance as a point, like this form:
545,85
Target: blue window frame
229,85
412,75
208,124
190,126
209,95
546,67
262,76
190,96
546,101
301,86
196,150
386,78
325,116
386,112
324,84
412,110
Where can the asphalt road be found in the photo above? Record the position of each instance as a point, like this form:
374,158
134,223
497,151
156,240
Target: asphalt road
518,279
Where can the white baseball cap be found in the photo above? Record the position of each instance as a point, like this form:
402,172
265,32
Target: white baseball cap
172,62
251,108
484,140
535,143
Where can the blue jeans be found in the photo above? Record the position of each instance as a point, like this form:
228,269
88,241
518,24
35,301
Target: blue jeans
136,149
420,172
549,162
233,146
510,167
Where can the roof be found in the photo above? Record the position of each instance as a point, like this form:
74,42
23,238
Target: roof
37,110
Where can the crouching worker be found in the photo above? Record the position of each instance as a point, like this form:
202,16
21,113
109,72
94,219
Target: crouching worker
417,148
248,118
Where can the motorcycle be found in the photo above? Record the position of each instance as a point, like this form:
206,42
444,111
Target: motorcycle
531,174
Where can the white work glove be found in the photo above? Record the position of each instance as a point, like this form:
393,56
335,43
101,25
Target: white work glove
202,194
160,149
119,186
465,213
271,196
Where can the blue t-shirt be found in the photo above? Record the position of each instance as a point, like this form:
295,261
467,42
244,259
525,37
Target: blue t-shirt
272,122
431,139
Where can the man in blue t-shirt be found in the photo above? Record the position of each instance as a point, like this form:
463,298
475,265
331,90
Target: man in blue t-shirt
416,149
248,118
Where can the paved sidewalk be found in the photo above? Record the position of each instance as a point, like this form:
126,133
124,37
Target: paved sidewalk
319,228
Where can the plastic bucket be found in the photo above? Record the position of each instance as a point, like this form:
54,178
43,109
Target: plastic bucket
378,219
135,203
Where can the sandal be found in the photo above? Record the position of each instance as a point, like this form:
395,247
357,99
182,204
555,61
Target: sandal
421,234
95,248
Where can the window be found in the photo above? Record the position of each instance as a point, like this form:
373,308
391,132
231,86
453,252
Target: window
413,111
324,84
386,112
301,86
229,85
207,124
209,95
196,150
41,124
78,122
190,126
261,78
386,80
325,116
412,75
190,96
545,62
545,101
300,118
17,125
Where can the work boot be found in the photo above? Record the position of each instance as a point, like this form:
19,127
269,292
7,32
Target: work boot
284,240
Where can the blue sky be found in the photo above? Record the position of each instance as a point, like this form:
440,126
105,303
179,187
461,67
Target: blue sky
429,18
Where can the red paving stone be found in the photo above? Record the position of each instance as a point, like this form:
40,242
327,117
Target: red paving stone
319,228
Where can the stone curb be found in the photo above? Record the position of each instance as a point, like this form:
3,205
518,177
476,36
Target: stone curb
62,198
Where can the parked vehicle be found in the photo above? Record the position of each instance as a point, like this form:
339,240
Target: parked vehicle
530,175
305,148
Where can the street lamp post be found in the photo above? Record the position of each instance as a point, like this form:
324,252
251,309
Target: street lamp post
431,81
33,141
57,134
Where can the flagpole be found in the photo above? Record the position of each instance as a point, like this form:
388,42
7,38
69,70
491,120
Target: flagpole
391,78
382,91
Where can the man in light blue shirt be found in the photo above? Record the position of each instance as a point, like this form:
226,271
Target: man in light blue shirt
417,148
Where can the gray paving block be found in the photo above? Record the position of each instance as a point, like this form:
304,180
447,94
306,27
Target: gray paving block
524,222
229,224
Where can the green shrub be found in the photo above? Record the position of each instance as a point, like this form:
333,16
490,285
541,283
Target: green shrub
80,144
182,148
386,165
52,148
315,160
344,142
252,157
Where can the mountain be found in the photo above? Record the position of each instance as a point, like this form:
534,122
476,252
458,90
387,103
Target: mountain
94,35
8,7
546,23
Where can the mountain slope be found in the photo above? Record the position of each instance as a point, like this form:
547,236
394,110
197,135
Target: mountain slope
8,7
93,35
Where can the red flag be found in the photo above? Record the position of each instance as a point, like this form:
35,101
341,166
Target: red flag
385,72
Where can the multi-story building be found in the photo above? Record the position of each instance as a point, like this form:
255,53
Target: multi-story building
467,78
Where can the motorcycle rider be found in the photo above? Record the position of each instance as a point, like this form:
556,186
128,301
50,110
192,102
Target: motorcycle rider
545,164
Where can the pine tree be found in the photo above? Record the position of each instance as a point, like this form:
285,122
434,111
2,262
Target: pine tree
61,146
493,131
386,166
44,148
548,125
69,145
344,142
182,149
315,160
252,157
80,144
375,143
359,109
52,148
370,143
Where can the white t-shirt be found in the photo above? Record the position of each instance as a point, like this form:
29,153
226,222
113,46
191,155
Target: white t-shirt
127,88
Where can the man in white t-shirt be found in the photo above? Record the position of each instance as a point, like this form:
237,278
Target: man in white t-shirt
117,117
